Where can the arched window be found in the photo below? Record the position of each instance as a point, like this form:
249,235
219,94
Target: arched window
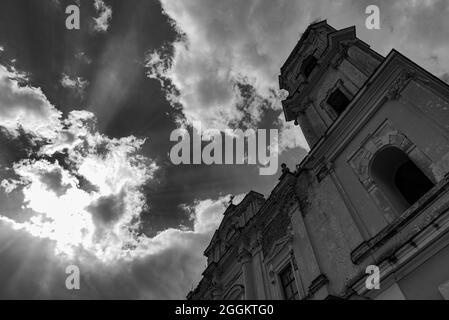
402,182
308,65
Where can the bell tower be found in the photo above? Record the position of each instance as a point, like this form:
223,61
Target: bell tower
323,73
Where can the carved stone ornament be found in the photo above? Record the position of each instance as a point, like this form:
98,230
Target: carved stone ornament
384,135
323,172
342,55
244,256
399,84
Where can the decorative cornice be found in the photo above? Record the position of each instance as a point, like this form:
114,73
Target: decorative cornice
276,247
316,285
367,248
402,81
293,260
324,171
208,273
256,241
399,84
397,257
244,256
343,54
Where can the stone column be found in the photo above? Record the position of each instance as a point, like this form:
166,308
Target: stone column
260,281
245,259
348,203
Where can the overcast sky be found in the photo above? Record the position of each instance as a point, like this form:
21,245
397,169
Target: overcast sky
86,116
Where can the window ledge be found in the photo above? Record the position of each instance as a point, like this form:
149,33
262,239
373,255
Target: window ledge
367,248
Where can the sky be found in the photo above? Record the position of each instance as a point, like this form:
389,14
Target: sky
86,117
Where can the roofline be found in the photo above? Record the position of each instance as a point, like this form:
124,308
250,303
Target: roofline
351,30
250,193
357,96
301,40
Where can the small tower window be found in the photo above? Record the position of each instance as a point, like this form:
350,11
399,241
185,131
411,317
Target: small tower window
338,101
308,65
399,178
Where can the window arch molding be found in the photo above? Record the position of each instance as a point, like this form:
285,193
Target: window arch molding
398,177
362,160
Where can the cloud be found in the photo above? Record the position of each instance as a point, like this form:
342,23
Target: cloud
26,107
81,191
223,68
445,77
80,200
415,28
168,270
77,83
105,15
82,56
224,45
67,213
207,214
290,136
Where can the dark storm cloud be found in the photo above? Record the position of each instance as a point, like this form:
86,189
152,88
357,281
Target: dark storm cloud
31,270
16,146
104,72
124,100
53,180
107,210
165,267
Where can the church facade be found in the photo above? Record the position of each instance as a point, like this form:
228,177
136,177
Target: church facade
373,190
